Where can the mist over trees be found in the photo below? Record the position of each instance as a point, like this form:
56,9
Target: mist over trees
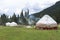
22,19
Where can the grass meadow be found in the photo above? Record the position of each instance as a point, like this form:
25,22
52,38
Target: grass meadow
19,33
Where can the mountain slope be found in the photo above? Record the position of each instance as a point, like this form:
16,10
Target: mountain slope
53,11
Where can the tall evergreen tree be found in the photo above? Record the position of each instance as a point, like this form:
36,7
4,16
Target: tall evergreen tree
27,13
27,16
14,18
22,19
4,19
18,19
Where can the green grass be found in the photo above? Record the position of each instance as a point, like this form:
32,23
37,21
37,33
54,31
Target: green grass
16,33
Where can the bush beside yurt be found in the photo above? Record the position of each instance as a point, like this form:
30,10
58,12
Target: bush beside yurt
46,22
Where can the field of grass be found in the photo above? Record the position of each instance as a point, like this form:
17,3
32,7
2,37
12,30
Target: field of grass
17,33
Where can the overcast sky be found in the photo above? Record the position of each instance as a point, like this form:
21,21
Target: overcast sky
10,6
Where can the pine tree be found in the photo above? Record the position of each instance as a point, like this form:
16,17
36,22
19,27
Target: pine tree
18,19
4,19
14,18
22,19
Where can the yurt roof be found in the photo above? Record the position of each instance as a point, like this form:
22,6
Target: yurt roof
46,19
13,22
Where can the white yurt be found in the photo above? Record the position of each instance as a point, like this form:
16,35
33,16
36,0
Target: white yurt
13,24
46,22
8,24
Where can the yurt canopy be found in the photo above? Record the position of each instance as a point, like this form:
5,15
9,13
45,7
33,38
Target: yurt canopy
11,24
8,23
46,21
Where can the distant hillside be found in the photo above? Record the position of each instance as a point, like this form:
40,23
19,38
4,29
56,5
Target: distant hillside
53,11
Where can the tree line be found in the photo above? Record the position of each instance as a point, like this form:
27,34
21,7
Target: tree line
4,19
19,19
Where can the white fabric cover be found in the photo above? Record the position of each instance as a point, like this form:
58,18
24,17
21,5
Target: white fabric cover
11,24
46,19
8,23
